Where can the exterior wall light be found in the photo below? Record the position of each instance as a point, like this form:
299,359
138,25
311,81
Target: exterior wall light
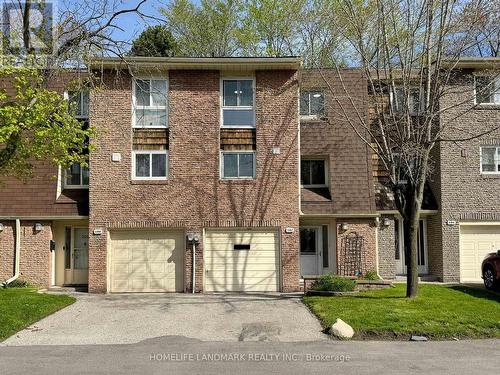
344,226
1,227
386,222
38,227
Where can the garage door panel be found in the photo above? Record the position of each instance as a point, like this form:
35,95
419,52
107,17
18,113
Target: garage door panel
476,241
228,269
147,261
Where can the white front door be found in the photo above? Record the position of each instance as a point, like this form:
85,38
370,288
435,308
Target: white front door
423,267
76,256
311,250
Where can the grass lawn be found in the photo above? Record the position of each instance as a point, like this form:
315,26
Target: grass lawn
20,307
438,312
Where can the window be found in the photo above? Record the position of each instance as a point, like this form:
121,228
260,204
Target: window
150,165
312,104
77,177
238,103
415,100
308,240
312,173
150,103
81,103
238,165
487,90
490,159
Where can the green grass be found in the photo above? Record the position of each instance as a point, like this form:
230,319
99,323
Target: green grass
438,312
20,307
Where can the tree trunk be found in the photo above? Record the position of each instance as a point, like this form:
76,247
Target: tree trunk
411,230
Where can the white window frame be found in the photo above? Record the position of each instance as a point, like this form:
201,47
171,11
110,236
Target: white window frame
223,107
475,92
80,186
135,108
496,159
80,92
412,112
310,116
326,172
221,162
149,152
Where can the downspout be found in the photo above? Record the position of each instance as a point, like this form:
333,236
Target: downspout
17,254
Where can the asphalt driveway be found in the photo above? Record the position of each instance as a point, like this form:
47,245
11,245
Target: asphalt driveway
131,318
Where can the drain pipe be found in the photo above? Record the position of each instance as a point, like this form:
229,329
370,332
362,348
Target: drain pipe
194,240
17,253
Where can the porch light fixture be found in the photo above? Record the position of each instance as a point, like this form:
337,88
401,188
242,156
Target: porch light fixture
38,227
1,227
386,222
344,226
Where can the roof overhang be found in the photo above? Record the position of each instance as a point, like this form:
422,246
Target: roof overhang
473,63
235,64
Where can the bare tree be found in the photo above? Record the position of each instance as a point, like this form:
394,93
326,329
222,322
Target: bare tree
409,51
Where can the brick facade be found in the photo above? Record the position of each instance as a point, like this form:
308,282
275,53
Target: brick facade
386,249
194,197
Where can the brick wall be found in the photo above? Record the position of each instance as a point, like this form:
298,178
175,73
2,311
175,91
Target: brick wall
367,230
386,249
35,264
194,197
466,195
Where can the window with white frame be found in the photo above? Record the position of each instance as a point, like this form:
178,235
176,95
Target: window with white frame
76,176
401,99
312,103
150,103
80,101
237,164
238,103
487,90
490,159
313,173
150,165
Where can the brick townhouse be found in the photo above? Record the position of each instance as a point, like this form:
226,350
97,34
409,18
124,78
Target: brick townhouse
217,155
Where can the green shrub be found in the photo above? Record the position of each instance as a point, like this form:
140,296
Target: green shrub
17,284
332,283
371,275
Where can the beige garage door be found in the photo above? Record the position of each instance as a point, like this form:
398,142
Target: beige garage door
147,261
241,261
475,242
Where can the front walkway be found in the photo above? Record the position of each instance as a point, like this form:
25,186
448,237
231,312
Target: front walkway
130,318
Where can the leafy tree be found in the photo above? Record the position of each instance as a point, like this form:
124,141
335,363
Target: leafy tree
154,41
36,124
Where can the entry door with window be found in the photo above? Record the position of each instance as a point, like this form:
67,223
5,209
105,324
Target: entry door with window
401,263
76,256
311,245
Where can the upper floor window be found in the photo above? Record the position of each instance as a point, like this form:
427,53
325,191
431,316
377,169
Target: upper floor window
487,90
150,103
238,164
150,165
490,159
80,100
313,173
76,177
312,104
412,99
238,102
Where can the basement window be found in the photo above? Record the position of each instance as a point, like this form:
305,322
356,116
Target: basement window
490,159
150,103
238,101
149,165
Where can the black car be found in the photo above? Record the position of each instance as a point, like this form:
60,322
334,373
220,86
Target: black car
491,270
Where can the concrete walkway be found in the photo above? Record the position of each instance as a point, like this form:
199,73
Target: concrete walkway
130,318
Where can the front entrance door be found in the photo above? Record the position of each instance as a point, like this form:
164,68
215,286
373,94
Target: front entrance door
76,256
311,245
401,263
